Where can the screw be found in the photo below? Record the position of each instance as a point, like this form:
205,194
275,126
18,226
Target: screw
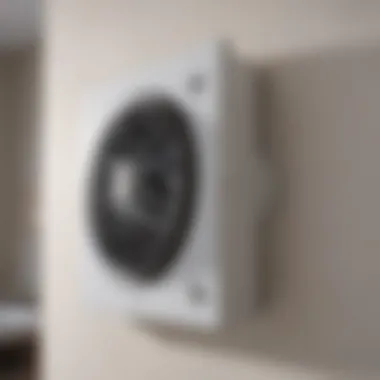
197,294
196,83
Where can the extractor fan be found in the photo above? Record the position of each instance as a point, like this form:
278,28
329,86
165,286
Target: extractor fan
170,200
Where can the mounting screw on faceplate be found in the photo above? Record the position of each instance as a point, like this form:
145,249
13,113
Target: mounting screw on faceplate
196,294
196,83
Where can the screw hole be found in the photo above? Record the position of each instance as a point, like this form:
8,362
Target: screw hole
196,83
197,294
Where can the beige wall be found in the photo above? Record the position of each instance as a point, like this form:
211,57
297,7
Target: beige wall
320,102
18,118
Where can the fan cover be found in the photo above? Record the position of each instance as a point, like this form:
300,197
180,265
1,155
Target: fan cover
143,187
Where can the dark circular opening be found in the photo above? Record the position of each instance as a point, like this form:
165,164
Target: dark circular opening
142,187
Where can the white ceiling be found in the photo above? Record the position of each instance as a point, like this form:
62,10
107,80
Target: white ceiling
19,22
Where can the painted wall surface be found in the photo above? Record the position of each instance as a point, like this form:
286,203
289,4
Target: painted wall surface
18,122
320,107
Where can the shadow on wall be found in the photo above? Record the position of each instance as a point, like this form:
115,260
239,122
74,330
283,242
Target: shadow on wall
320,121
